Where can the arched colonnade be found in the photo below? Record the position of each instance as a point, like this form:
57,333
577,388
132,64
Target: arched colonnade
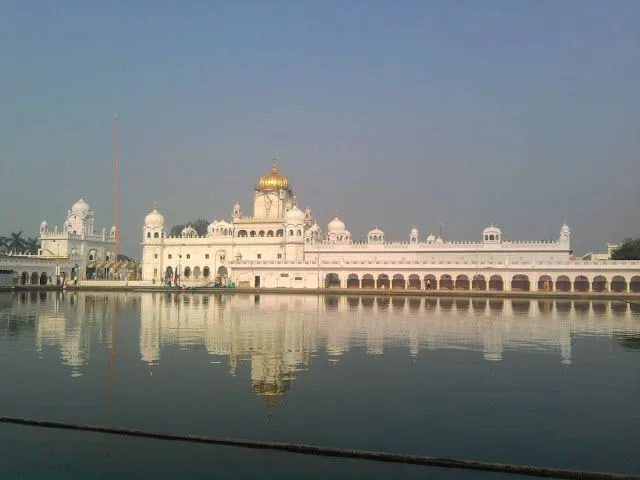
486,282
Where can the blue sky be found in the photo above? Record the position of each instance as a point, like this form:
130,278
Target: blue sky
524,114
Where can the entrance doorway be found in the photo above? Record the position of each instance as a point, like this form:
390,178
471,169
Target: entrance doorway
257,281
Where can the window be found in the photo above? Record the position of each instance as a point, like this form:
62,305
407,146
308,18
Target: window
155,235
155,272
169,256
188,256
279,256
259,255
91,257
155,255
206,255
148,234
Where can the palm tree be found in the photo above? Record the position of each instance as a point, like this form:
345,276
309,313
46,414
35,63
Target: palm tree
3,243
16,242
32,245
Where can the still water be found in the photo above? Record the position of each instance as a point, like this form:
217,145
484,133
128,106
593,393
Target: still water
551,383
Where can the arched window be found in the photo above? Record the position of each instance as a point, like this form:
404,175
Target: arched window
270,233
280,233
156,235
187,272
148,234
91,257
299,233
261,233
252,233
491,237
291,233
206,272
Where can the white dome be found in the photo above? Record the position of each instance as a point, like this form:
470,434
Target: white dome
154,219
439,240
294,214
336,225
80,207
492,233
431,238
414,231
44,224
564,229
188,232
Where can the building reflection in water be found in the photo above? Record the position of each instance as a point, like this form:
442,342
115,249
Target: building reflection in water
278,334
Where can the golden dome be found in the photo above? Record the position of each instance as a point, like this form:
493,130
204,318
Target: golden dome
273,180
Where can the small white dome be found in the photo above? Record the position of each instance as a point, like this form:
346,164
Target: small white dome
439,240
189,232
336,225
294,214
414,231
80,207
44,224
431,238
565,229
492,234
154,219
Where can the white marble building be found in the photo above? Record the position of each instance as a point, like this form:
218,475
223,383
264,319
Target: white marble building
78,241
280,245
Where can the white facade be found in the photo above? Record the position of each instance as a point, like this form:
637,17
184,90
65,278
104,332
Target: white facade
281,246
78,241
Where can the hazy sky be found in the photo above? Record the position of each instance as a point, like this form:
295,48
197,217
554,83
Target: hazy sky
394,113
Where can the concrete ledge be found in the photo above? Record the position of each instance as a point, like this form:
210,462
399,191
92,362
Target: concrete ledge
119,286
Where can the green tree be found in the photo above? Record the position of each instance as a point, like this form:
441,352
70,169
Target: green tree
16,243
199,225
31,246
4,241
629,250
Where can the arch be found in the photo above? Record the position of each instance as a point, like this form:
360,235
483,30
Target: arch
353,281
599,284
545,283
446,282
156,235
520,282
261,233
222,271
168,272
299,233
43,278
252,233
496,283
368,281
383,281
634,284
269,233
398,281
478,282
618,284
581,284
462,282
206,271
187,272
196,272
280,232
35,278
290,232
414,281
148,234
430,282
332,280
242,233
563,284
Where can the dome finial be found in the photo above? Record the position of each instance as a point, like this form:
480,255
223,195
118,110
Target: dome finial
273,162
155,204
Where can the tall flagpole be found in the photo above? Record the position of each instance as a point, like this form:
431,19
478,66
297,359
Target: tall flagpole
115,181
